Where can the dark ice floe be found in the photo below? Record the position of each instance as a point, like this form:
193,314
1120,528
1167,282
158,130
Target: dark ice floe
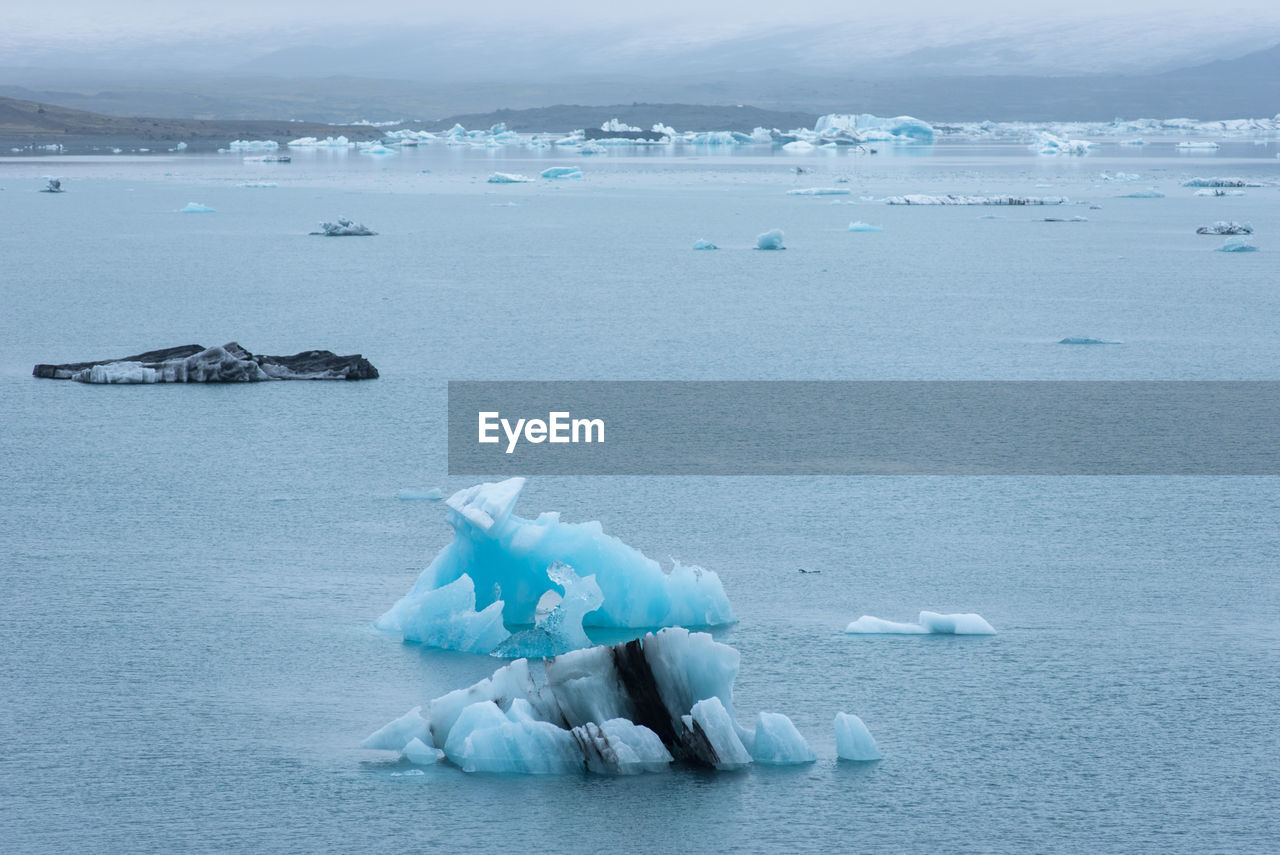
922,199
633,707
230,363
1226,227
1221,182
344,228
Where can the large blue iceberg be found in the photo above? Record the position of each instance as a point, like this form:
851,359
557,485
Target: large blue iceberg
495,571
634,707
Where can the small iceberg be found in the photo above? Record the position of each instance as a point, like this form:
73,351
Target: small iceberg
1237,244
258,185
1218,192
344,228
432,495
508,178
253,145
1221,182
555,172
704,244
859,226
922,199
820,191
1076,219
628,709
1194,145
771,240
1077,340
376,149
1052,145
1149,193
1226,227
853,740
196,208
798,146
54,186
928,623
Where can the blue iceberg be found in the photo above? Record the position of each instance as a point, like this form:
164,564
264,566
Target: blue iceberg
928,623
704,244
562,172
853,740
1237,244
859,226
770,240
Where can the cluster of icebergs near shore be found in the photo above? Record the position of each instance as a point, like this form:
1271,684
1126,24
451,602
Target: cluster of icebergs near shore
564,705
829,132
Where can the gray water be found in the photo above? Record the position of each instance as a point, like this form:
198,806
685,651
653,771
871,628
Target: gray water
190,573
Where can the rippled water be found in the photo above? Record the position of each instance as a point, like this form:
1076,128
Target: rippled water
190,574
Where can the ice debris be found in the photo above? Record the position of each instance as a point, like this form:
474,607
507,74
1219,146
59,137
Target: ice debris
253,145
1047,143
1225,227
1221,182
562,172
54,186
196,208
859,226
508,178
771,239
1197,145
1149,193
921,199
704,244
630,708
327,142
927,623
344,228
820,191
853,740
1237,244
504,564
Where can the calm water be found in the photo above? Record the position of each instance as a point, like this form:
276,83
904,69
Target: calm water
189,574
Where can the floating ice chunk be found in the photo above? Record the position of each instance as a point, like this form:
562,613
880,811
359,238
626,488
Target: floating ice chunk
1120,176
562,172
447,618
1218,192
327,142
1149,193
561,630
865,126
927,623
665,130
868,625
820,191
253,145
615,710
377,149
922,199
778,743
955,624
1047,143
395,735
344,228
1076,219
508,178
1080,340
196,208
118,372
1225,227
616,126
798,146
501,551
1237,244
853,740
592,148
859,226
704,244
1221,182
432,495
179,147
420,754
715,735
258,185
54,186
771,240
1133,142
1197,145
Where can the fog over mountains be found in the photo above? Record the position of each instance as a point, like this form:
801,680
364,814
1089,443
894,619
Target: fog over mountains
997,61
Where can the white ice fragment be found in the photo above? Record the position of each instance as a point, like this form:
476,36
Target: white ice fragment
771,240
562,172
820,191
955,624
853,740
196,208
859,226
396,734
778,743
446,617
868,625
1237,244
798,146
1149,193
508,178
704,244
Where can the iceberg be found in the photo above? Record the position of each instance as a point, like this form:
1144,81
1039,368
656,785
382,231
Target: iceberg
447,618
561,630
820,191
420,754
624,709
1218,192
196,208
344,228
432,495
1047,143
508,178
1224,227
853,740
376,148
1196,145
54,186
921,199
704,244
615,126
327,142
508,560
777,742
230,363
771,240
1149,193
864,127
798,146
258,185
252,145
859,226
928,623
1237,244
562,172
